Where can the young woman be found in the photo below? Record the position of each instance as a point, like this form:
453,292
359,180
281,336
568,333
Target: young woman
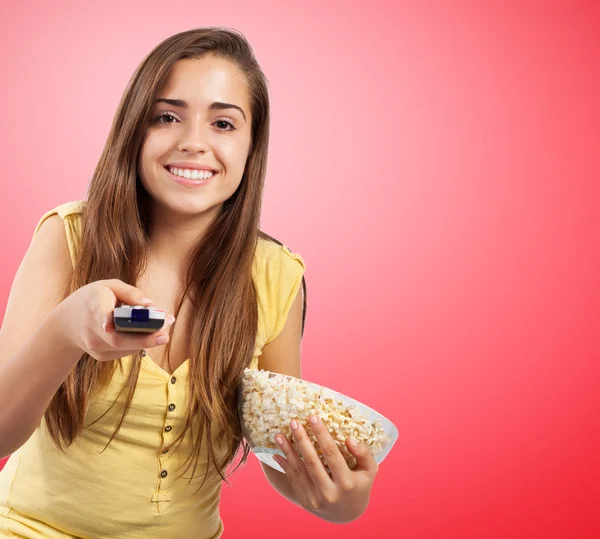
123,435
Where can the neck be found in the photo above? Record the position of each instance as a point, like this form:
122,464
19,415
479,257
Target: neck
174,236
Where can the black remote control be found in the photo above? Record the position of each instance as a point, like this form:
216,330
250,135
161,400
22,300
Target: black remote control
138,319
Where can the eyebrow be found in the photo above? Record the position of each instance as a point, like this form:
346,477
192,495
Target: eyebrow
216,105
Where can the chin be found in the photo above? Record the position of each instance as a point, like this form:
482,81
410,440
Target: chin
192,205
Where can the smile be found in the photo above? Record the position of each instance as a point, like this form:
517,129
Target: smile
191,174
191,178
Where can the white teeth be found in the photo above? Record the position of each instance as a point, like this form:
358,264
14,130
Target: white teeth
194,174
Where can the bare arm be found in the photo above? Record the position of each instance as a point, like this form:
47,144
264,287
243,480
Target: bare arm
340,497
34,359
283,356
43,336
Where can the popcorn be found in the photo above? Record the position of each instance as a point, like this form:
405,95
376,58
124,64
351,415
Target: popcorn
270,401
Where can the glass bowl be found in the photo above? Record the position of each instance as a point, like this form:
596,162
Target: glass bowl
269,401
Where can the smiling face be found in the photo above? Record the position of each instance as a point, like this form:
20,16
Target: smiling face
201,120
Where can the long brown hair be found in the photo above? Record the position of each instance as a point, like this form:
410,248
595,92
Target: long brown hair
219,284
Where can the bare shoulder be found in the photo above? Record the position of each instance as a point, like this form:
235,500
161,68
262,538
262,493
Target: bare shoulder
38,285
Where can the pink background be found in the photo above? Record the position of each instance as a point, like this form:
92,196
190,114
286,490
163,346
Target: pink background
436,163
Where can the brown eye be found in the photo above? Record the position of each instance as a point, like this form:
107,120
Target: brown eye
232,127
159,118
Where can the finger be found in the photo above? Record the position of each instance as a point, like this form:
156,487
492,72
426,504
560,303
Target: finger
303,494
283,463
126,293
108,325
365,461
312,462
331,452
295,469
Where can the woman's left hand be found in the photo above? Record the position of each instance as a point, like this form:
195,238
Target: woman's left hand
343,496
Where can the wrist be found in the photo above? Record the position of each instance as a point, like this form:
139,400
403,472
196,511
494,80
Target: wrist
56,331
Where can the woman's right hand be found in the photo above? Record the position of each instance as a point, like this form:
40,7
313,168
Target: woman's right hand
87,319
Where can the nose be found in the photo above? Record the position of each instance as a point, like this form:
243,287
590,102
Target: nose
194,138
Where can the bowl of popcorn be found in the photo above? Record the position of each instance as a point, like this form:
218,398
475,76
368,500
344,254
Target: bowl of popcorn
270,401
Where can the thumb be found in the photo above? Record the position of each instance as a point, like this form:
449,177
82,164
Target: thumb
365,461
125,293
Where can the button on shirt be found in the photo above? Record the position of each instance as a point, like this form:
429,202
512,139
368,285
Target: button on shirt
137,486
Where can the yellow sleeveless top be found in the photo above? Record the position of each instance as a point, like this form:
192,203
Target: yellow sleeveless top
133,489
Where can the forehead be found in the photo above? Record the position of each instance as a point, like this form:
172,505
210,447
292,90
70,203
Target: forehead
204,80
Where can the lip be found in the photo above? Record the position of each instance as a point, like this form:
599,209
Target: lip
188,182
